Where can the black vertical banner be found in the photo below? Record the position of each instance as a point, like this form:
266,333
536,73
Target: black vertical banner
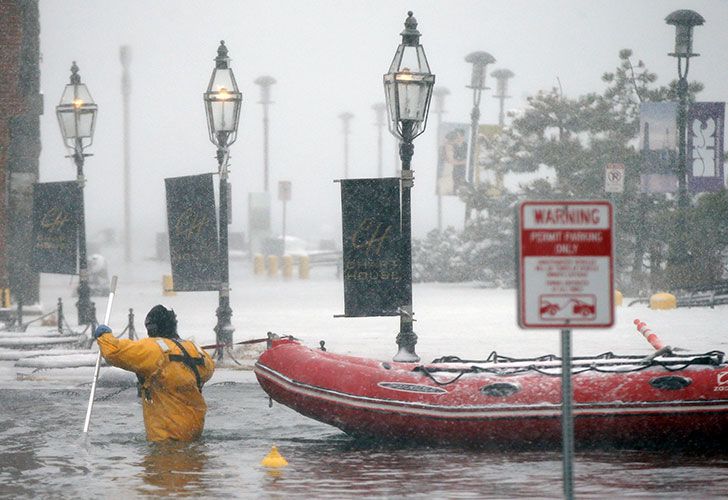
192,227
371,235
56,219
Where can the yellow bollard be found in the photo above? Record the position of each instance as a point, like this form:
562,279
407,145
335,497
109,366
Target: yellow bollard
259,264
274,459
272,266
617,298
168,286
287,266
6,298
663,301
304,267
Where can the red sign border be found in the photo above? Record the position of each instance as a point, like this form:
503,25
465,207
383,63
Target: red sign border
521,289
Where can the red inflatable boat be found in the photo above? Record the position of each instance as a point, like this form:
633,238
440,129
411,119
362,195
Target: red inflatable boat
618,400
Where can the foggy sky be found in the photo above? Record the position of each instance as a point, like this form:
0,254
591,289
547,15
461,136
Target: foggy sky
327,57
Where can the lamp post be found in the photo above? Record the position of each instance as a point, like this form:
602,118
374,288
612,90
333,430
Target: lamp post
480,61
380,108
125,58
223,101
77,118
501,90
408,89
684,21
345,119
440,93
265,83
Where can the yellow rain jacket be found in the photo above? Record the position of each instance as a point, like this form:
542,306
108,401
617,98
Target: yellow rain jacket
171,399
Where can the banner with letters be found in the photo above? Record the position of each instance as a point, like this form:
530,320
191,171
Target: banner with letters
192,229
706,122
658,146
56,219
374,284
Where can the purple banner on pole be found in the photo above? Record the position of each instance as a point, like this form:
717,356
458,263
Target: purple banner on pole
706,121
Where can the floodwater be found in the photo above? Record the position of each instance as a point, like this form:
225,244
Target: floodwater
42,455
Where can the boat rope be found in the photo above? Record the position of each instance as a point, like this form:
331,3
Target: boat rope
633,364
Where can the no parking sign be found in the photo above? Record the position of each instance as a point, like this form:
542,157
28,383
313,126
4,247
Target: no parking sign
565,264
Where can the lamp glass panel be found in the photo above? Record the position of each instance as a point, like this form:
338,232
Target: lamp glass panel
67,120
683,40
390,96
501,86
85,123
413,58
223,81
412,96
223,115
76,95
76,123
477,76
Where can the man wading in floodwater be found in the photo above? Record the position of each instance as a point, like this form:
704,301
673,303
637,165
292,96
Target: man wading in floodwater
171,373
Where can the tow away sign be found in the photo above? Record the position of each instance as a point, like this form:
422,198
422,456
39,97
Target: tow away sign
565,264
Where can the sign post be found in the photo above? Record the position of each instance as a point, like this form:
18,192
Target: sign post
565,280
284,195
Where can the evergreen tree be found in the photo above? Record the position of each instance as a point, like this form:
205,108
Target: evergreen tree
576,139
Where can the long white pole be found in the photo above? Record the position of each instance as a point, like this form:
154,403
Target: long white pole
98,358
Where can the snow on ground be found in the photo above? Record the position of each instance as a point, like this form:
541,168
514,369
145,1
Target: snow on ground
451,319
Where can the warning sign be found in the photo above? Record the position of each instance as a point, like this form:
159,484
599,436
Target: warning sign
565,264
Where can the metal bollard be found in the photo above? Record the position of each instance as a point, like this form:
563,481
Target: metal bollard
287,266
168,286
258,264
130,326
272,266
304,267
60,317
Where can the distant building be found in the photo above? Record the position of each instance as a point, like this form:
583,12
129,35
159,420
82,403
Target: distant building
21,105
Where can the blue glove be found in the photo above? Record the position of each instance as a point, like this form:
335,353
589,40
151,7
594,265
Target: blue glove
100,330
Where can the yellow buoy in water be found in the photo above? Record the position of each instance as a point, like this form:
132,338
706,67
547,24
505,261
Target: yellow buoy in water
274,459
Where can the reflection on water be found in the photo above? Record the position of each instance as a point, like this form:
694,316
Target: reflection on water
174,469
42,454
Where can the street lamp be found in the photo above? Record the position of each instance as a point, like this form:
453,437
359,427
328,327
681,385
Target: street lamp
379,109
480,61
501,90
440,93
684,21
265,83
345,119
223,101
77,118
408,89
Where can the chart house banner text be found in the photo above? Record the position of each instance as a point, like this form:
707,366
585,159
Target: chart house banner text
56,218
192,227
371,242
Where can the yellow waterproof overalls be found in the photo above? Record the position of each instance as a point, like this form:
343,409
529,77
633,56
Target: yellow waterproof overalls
171,391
